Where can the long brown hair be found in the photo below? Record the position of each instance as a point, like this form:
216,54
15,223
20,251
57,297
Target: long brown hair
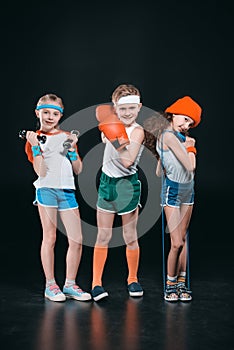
153,127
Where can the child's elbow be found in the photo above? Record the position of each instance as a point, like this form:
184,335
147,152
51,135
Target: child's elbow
42,173
158,173
191,168
77,170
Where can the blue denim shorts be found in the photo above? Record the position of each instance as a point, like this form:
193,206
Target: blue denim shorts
62,199
175,194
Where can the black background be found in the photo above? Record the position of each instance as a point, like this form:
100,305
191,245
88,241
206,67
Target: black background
82,51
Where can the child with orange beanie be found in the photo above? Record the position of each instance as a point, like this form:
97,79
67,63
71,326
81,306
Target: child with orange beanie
176,155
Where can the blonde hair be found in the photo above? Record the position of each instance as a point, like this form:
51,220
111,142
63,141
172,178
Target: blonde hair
50,97
124,90
44,100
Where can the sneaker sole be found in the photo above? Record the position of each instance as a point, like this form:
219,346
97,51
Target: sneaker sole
185,299
83,298
100,296
59,299
173,300
136,294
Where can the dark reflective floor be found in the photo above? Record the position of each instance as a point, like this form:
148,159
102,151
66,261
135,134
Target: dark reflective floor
29,322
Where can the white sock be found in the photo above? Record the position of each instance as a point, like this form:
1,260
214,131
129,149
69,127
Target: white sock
50,282
172,279
69,283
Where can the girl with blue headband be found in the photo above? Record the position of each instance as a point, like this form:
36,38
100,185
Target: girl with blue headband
55,193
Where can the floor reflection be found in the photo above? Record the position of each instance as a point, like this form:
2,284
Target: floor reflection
99,337
61,325
132,325
175,325
29,322
76,325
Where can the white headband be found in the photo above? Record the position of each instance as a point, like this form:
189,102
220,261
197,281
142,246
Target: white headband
128,99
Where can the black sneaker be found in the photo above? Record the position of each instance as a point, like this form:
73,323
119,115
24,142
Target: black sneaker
98,293
135,289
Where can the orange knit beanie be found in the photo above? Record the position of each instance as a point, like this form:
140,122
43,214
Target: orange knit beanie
186,106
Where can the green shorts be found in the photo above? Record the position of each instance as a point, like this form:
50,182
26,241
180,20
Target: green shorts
119,195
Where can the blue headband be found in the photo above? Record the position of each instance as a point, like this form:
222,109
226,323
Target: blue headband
60,109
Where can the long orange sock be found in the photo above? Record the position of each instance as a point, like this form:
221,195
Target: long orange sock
133,263
99,259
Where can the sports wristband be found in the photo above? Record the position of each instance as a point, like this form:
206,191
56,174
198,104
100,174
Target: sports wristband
191,149
72,155
36,151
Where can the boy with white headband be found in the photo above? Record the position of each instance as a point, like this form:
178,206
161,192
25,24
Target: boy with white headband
119,189
55,193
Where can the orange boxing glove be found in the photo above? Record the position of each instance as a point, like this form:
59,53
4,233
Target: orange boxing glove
111,126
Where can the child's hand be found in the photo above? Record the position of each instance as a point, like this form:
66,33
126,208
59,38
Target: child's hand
189,142
31,136
74,139
71,141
